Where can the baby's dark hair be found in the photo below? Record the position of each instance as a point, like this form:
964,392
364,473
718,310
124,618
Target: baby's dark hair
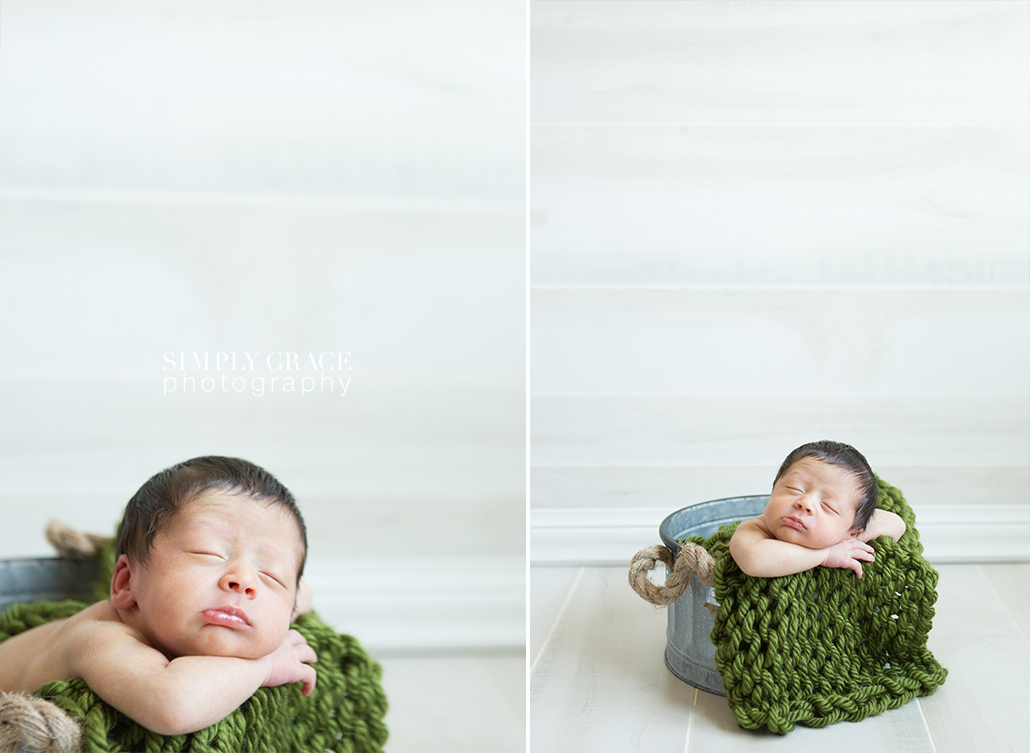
847,457
161,498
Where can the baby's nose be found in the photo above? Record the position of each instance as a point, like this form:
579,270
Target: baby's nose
240,583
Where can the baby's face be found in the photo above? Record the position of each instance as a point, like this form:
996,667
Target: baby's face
813,504
221,579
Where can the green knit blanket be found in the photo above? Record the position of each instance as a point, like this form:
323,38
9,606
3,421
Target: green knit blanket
824,646
343,714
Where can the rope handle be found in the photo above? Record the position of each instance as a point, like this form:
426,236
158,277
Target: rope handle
70,543
692,559
34,725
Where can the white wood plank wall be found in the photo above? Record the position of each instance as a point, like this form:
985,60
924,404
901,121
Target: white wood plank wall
759,224
303,176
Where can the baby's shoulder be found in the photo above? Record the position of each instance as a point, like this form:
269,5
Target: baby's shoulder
101,611
97,636
756,527
52,651
98,622
100,614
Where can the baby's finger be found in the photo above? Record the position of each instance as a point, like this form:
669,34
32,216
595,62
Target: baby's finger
857,567
309,681
305,654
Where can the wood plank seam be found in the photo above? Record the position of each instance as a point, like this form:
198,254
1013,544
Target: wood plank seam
926,724
1001,600
557,619
690,721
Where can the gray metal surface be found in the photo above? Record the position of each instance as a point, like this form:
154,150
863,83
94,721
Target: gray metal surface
47,579
689,652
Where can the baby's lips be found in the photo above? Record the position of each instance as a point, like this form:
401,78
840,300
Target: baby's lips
227,616
793,522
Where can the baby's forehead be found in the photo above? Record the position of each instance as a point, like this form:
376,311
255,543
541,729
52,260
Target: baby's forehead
813,470
259,520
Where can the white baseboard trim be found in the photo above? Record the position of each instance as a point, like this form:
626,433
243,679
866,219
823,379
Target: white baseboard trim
429,605
953,533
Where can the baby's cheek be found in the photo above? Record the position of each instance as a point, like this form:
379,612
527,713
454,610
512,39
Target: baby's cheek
276,633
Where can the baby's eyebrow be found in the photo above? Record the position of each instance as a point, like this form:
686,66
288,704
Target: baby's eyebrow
797,477
207,524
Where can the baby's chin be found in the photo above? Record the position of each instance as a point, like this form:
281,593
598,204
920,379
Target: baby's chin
221,642
792,536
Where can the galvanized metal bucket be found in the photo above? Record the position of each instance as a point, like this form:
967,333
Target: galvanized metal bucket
689,652
47,579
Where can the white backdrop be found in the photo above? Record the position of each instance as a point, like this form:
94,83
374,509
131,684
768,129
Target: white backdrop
760,224
197,177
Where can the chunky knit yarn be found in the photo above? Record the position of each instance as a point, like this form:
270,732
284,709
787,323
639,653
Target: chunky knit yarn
343,714
824,646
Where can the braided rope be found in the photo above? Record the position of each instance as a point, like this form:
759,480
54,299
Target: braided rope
32,725
71,543
692,559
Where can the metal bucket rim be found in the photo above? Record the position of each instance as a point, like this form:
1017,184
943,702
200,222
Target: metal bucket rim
28,579
663,529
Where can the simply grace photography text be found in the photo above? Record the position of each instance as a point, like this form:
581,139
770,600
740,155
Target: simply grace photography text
300,373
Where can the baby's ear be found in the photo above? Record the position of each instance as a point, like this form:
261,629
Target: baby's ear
121,584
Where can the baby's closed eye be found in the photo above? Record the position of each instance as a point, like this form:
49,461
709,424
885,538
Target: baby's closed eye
209,554
273,578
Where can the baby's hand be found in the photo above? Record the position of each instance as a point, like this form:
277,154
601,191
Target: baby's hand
287,663
847,554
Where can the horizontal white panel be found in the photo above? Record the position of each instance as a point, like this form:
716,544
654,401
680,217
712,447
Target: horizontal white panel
356,521
780,340
102,285
901,61
408,603
384,439
673,486
762,429
400,98
982,533
775,204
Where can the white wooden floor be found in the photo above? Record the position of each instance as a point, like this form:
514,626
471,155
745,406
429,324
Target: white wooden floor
598,681
456,704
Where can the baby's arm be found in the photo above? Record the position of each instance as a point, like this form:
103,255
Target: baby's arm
759,554
187,693
883,523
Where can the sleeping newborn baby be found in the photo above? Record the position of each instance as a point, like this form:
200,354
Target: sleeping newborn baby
822,511
208,578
